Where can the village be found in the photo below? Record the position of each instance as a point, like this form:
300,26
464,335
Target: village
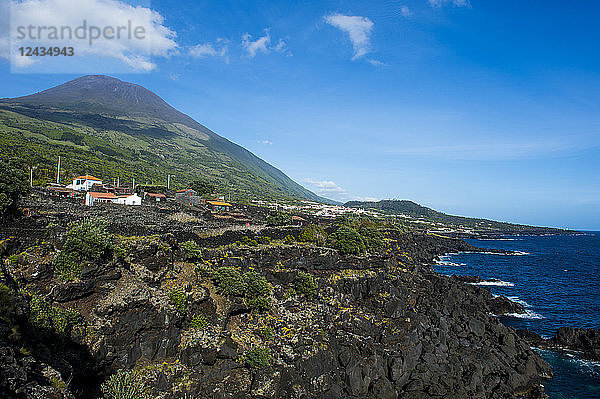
94,191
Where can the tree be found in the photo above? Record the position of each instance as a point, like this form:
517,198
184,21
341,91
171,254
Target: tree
347,240
279,218
203,187
13,184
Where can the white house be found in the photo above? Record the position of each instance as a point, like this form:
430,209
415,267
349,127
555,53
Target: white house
132,199
84,183
91,198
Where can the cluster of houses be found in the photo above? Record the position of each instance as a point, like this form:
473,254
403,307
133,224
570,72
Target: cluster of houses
96,191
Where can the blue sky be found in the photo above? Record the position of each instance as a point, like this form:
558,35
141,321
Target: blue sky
486,109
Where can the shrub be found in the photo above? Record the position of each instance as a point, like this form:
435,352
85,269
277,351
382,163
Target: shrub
314,233
13,184
258,357
6,302
265,240
199,322
86,241
266,332
178,298
249,241
49,318
229,281
372,237
348,241
289,240
260,303
279,218
305,285
191,250
125,385
250,285
256,285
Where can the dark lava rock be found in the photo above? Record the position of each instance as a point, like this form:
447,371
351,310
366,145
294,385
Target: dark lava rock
502,305
586,340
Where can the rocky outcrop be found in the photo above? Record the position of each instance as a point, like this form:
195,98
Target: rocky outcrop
585,341
379,326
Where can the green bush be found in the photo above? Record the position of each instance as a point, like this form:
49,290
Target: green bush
289,240
199,322
372,237
13,184
178,298
305,285
229,281
87,241
249,241
279,218
6,302
49,318
347,240
192,250
313,233
258,357
256,285
265,240
125,385
266,332
250,285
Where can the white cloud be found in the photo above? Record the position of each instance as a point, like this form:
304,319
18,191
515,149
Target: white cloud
260,45
377,63
136,53
457,3
263,45
406,12
358,30
204,50
325,186
266,142
174,76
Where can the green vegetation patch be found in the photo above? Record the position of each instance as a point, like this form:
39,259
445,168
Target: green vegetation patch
258,357
192,250
178,298
125,384
347,240
305,285
87,242
250,285
313,233
48,318
13,184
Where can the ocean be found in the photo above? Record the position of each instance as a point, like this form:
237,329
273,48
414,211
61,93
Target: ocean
557,279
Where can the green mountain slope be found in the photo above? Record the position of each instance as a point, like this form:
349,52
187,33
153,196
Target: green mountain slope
414,210
103,126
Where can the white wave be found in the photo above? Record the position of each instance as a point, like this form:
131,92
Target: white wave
512,253
448,263
527,315
518,300
497,283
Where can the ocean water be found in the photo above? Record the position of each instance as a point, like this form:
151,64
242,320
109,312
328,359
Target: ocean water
557,279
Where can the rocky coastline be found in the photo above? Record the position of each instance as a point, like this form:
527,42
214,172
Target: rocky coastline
381,325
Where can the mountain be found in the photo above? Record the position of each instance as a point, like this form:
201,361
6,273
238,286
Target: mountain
102,125
414,210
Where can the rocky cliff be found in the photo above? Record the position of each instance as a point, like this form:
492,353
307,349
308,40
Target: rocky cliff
255,318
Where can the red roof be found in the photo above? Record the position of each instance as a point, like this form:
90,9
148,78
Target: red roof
88,177
103,195
183,191
157,195
297,218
